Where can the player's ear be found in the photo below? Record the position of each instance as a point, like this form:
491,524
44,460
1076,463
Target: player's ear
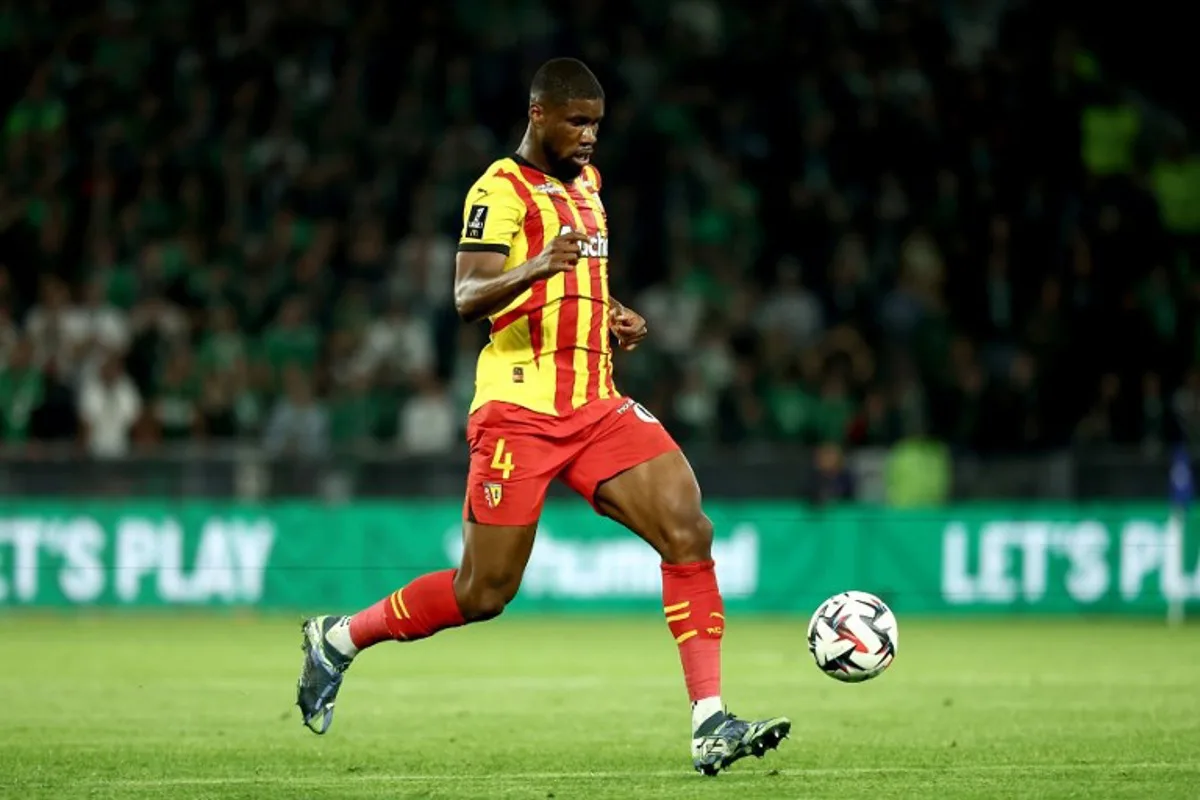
537,114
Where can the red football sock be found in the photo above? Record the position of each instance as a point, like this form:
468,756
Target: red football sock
420,609
696,617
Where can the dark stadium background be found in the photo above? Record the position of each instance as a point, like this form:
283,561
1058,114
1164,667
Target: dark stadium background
855,227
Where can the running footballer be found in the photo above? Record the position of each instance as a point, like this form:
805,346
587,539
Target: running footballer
533,260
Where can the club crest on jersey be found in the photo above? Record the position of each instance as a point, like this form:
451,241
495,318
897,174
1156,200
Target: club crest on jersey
595,247
493,493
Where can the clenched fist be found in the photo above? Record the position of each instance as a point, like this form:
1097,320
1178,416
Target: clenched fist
561,255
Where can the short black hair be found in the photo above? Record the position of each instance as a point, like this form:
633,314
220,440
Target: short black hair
561,80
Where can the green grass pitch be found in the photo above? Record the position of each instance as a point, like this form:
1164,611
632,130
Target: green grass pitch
197,706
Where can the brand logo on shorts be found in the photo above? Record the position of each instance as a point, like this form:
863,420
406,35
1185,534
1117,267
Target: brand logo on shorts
643,414
639,411
493,493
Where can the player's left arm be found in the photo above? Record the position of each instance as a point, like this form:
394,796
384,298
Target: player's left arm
626,324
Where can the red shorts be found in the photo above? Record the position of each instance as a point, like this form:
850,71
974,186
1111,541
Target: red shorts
515,453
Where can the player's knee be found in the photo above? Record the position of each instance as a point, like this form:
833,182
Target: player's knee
483,600
485,605
688,539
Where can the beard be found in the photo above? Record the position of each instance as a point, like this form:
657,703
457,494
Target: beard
565,169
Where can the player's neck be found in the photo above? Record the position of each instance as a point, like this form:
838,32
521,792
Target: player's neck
529,152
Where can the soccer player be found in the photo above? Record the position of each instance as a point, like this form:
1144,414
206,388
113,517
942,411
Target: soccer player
533,259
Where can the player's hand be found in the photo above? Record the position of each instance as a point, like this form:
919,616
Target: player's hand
561,255
628,326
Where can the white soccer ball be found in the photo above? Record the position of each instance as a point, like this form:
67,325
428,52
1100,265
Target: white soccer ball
853,636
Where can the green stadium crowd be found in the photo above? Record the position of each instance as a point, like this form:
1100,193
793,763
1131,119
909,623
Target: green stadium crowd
847,224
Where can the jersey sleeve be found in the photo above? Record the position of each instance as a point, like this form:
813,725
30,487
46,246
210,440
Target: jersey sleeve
492,216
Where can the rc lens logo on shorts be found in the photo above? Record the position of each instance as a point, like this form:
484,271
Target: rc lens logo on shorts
493,493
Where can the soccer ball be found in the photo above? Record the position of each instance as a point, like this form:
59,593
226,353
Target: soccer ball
853,636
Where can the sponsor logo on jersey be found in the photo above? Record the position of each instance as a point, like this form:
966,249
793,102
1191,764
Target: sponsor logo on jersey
594,247
549,188
476,220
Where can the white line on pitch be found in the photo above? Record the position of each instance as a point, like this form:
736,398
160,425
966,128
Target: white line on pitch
372,777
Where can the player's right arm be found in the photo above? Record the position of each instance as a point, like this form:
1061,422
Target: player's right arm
492,218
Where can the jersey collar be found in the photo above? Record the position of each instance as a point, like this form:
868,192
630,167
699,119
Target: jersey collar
525,162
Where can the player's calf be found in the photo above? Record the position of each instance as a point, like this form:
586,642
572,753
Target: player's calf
420,609
494,559
695,614
659,500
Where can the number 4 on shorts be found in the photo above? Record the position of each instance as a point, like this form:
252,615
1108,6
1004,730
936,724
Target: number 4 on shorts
502,459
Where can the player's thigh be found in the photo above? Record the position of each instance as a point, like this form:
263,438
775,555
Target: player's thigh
500,516
659,500
512,465
633,471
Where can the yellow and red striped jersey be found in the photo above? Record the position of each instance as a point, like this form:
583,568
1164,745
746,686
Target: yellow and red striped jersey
549,350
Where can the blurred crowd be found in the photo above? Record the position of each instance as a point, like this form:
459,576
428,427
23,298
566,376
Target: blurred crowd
848,223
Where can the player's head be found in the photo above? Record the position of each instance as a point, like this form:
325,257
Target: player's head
566,104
